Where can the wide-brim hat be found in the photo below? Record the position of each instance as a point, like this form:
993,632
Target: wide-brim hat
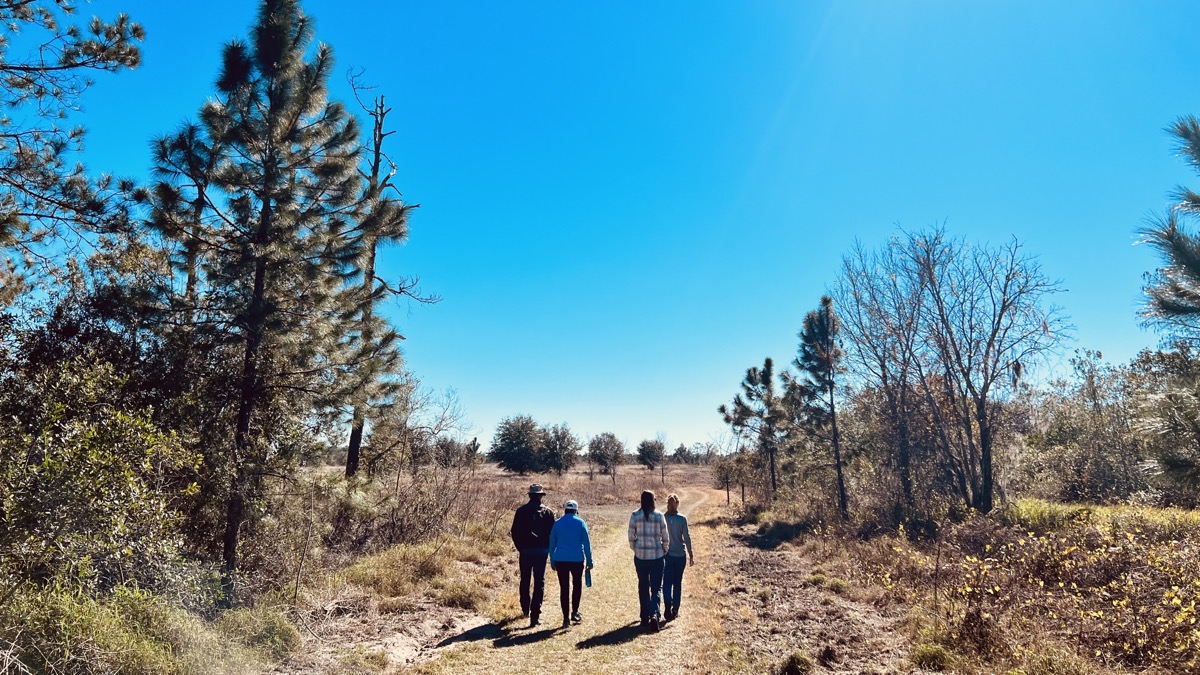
537,489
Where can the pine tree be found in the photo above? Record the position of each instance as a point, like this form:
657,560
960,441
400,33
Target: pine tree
760,410
260,198
40,189
812,392
382,219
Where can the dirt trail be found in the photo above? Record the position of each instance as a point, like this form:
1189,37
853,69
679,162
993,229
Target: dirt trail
610,639
745,609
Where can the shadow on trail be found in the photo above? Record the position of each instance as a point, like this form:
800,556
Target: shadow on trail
488,631
518,639
499,633
616,636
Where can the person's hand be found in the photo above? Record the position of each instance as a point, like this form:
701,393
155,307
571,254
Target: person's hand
691,562
589,566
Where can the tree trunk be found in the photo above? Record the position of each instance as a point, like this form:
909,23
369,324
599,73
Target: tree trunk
354,449
771,460
248,400
843,501
984,497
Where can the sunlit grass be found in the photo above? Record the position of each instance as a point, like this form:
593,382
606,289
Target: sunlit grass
1117,584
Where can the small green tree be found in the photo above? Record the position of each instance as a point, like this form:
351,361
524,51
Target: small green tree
517,445
89,487
651,453
607,451
560,449
761,411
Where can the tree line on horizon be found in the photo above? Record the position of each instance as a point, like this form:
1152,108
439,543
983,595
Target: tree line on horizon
522,446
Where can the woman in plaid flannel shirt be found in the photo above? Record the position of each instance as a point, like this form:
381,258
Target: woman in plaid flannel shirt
649,539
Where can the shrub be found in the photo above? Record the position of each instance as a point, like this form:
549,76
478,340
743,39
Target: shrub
87,487
930,656
462,593
61,629
796,663
262,627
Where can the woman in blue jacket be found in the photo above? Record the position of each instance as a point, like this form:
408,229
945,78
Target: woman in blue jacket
570,550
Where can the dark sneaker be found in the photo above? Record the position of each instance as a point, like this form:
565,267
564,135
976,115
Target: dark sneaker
534,622
525,613
576,617
566,623
655,624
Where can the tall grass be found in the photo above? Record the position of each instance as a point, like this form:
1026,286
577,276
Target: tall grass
57,629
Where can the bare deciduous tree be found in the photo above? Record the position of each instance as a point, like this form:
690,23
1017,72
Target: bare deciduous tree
985,318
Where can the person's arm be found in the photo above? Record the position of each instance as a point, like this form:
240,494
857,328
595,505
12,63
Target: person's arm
666,533
512,532
632,533
553,543
686,537
587,547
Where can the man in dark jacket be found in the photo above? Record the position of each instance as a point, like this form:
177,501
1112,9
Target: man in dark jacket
531,535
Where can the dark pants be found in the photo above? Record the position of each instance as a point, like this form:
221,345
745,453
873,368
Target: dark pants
650,576
673,581
568,571
533,564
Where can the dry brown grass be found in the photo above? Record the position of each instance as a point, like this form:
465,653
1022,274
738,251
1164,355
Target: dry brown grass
1044,588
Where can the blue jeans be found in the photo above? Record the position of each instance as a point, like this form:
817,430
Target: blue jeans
673,581
650,576
533,568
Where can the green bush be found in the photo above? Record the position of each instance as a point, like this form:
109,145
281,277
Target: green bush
931,657
86,488
797,663
262,627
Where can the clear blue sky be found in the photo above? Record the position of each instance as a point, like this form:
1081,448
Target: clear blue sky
626,204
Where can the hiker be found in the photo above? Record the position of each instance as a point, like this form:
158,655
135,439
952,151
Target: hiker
649,540
570,551
531,535
676,560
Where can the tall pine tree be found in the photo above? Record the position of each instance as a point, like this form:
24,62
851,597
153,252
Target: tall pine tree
812,392
260,200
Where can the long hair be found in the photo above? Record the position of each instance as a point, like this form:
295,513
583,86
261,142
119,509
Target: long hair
647,504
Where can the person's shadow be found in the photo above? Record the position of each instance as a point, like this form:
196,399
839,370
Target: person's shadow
616,636
500,634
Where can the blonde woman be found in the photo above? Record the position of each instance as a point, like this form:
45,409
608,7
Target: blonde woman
679,556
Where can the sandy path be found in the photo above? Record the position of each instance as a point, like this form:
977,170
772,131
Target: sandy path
610,639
